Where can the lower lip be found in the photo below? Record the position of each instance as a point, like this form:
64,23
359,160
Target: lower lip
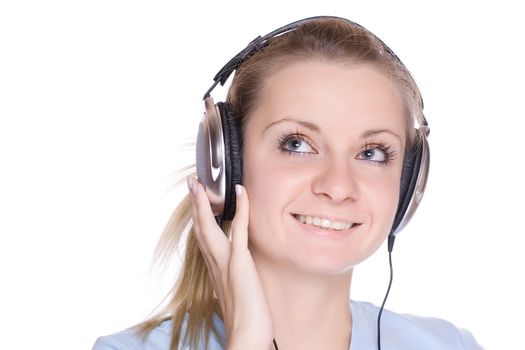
326,233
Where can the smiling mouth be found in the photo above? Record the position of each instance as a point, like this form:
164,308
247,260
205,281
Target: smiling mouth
324,223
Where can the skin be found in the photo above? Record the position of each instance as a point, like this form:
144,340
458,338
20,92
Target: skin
290,280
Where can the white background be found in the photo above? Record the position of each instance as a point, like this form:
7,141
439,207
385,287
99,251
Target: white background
96,98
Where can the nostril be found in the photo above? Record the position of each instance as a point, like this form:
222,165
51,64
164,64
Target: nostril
337,184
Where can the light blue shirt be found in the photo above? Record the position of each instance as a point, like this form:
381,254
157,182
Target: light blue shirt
398,332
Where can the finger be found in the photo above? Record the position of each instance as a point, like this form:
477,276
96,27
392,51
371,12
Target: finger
204,251
214,267
203,246
240,220
209,233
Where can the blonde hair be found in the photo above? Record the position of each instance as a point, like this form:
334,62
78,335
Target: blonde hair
191,299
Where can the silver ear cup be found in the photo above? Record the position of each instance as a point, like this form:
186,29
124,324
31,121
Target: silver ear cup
210,157
421,182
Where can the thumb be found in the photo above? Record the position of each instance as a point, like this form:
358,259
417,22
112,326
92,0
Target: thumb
240,220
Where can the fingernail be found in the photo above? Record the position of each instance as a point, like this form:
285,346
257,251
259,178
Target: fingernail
238,190
191,184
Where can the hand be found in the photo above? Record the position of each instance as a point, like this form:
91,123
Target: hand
244,307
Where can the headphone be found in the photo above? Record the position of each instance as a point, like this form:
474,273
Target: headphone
219,144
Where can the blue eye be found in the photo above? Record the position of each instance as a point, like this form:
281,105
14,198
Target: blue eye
374,154
377,153
295,144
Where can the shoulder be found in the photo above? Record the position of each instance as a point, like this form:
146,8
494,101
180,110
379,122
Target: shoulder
405,331
158,339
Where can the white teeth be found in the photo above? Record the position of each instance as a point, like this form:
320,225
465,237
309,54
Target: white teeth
325,223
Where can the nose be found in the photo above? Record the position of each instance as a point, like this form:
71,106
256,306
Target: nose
336,181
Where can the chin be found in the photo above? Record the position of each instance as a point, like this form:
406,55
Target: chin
324,266
326,261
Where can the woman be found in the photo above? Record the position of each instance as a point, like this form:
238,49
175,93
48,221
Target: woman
330,165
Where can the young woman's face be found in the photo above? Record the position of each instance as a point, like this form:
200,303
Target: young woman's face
324,147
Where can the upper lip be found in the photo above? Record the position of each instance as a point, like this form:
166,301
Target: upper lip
332,218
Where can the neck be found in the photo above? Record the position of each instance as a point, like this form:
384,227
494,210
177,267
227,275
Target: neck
309,310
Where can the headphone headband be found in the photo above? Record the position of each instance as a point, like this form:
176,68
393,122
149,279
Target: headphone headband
260,42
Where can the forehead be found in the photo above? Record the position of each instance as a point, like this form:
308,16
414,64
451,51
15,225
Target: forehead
338,98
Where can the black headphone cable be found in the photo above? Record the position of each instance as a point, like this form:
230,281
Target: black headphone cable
391,239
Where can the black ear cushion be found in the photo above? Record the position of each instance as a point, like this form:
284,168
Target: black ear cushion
232,156
409,175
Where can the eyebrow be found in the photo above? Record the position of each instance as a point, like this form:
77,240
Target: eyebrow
313,127
379,131
307,125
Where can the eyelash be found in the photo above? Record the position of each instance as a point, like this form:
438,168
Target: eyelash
382,146
287,136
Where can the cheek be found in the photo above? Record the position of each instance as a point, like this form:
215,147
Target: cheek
258,186
270,185
384,197
388,193
266,190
